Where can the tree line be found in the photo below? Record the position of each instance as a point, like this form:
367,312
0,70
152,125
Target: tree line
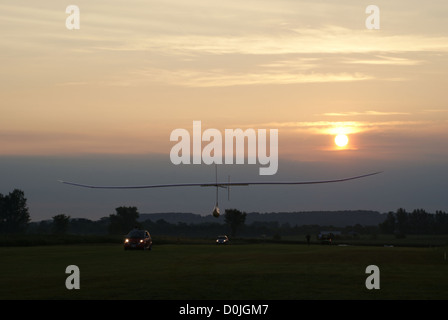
15,218
127,218
418,221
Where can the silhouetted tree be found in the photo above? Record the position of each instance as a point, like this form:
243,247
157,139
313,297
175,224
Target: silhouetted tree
60,224
402,221
419,221
234,218
441,222
388,226
14,215
124,220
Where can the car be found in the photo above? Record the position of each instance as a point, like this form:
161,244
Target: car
326,238
222,240
138,239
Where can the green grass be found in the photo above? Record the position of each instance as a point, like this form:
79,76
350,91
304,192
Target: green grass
249,271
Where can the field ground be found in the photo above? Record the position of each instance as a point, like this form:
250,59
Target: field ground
232,272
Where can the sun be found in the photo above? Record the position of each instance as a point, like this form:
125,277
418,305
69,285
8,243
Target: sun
341,140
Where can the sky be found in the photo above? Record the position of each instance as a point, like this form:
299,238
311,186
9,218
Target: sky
97,104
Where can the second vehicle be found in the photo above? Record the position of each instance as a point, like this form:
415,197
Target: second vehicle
138,239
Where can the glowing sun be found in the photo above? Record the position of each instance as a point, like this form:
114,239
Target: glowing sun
341,140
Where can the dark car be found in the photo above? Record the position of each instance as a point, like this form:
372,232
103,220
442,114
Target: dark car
138,239
326,238
222,240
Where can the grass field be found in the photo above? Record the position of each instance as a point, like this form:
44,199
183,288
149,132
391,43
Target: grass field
233,272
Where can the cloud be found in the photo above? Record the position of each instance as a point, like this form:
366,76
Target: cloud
222,44
222,78
364,113
348,127
223,74
57,142
327,39
202,27
384,60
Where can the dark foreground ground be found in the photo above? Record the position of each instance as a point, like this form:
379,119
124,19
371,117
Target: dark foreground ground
231,272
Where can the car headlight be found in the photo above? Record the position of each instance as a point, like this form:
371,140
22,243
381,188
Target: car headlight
141,241
126,240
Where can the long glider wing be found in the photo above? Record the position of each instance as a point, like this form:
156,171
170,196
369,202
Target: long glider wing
218,184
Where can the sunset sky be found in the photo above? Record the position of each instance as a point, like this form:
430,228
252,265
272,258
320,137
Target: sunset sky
97,105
